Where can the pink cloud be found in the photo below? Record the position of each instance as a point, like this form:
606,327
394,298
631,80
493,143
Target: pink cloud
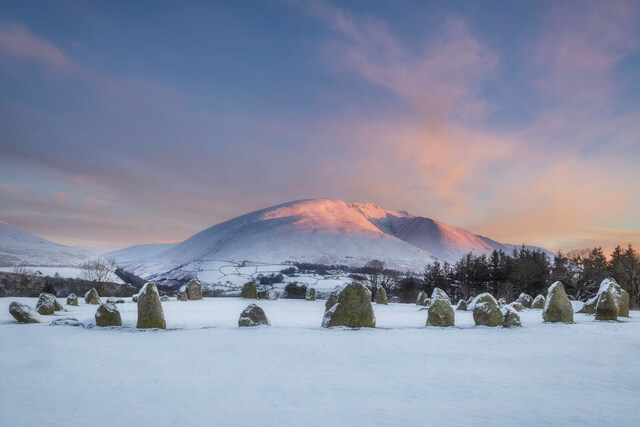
18,40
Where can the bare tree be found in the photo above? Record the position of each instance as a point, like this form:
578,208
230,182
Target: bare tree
23,277
99,271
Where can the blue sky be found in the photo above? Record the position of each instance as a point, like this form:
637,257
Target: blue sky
134,122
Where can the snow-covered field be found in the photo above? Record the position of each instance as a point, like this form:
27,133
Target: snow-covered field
204,370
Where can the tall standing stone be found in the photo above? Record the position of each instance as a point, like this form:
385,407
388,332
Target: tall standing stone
92,297
72,299
333,298
557,307
440,311
249,290
194,290
525,300
353,309
422,298
510,317
381,296
486,310
150,314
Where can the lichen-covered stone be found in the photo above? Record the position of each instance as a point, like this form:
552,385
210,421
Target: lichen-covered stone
150,314
263,294
557,307
353,308
462,305
253,316
440,312
624,304
381,296
516,306
589,307
194,290
57,306
486,310
427,304
249,291
182,293
23,313
510,317
538,302
333,298
108,315
72,299
46,304
422,298
311,294
92,297
66,321
608,306
525,300
440,294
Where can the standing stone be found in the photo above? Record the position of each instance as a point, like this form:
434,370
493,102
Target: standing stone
589,307
46,304
134,298
311,294
353,309
557,307
92,297
502,302
253,316
182,293
538,302
72,299
381,296
440,311
108,315
333,298
624,304
516,306
486,310
525,300
608,306
263,294
194,290
23,313
422,298
164,298
462,305
510,317
249,291
150,314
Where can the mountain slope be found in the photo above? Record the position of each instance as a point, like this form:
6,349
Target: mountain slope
17,246
326,231
137,252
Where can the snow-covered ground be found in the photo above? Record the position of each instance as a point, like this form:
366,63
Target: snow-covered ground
204,370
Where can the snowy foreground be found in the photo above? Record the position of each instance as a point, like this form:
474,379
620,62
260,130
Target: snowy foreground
204,370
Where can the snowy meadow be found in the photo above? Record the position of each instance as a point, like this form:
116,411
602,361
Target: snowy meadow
204,369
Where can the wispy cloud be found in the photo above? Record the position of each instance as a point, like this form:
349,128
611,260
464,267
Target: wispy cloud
20,41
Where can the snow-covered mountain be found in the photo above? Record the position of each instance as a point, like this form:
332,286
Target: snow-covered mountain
17,246
326,231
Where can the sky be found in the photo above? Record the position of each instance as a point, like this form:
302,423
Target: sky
141,122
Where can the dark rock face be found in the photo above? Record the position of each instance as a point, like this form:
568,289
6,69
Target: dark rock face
353,309
150,314
557,307
108,315
23,313
486,310
253,315
249,291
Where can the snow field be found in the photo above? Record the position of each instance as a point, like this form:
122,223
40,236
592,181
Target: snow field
204,370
